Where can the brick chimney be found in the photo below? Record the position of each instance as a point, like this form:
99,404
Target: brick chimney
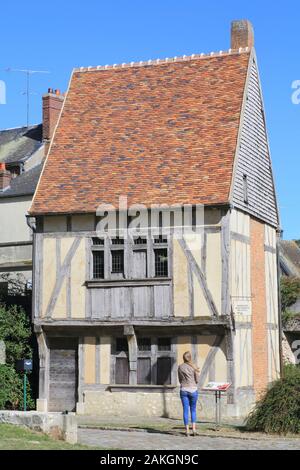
5,177
242,34
52,104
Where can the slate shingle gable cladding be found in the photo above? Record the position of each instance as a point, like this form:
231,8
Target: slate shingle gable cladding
163,133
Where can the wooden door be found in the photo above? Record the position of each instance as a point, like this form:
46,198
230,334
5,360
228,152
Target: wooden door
63,374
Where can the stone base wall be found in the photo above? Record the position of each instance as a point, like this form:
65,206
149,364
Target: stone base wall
159,404
57,425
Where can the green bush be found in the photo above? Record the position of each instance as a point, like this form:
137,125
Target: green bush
11,389
290,291
15,330
279,410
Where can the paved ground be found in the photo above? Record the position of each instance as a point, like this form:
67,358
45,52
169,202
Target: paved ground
133,440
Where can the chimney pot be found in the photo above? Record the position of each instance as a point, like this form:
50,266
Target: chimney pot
242,34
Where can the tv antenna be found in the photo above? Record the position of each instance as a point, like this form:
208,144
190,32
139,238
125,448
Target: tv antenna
28,73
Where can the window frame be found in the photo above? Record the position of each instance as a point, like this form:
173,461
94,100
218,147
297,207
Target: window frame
114,355
95,247
153,354
149,248
246,188
113,271
160,249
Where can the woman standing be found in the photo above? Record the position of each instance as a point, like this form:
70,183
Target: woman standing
188,375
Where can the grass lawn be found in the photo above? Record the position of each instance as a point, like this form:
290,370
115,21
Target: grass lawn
21,438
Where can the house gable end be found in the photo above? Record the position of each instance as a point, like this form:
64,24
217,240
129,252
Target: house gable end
253,188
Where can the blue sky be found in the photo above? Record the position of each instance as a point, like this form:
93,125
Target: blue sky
58,36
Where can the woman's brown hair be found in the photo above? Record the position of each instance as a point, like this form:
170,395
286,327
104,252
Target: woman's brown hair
187,357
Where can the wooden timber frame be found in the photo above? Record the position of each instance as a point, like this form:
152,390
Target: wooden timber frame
48,332
161,313
151,284
219,322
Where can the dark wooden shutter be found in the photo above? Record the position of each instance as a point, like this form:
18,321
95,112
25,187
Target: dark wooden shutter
122,370
164,371
63,374
144,371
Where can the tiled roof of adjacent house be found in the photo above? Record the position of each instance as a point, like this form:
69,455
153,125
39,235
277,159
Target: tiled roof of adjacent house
156,132
18,144
24,184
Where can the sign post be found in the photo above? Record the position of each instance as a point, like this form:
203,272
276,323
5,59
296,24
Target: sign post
218,388
25,366
25,390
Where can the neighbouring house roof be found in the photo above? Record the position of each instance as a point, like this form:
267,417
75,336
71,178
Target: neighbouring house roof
19,144
159,132
290,257
24,184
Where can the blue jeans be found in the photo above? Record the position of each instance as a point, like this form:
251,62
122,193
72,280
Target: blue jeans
189,402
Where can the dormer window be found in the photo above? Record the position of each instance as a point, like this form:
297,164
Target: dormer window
245,188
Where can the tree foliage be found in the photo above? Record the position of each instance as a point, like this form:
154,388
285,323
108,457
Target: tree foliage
11,389
15,330
290,291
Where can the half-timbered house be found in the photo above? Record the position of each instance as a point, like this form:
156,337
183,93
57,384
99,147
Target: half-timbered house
114,313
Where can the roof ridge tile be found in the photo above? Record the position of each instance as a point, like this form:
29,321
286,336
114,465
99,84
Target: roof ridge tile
167,60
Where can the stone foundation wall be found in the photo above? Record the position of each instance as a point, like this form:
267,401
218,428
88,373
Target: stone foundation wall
143,404
57,425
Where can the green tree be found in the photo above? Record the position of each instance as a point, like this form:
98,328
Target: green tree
15,330
290,291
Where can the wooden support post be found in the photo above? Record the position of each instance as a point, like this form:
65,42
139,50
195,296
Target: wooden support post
225,251
280,330
42,402
132,352
230,365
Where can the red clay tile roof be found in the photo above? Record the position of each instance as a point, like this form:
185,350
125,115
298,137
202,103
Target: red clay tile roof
163,133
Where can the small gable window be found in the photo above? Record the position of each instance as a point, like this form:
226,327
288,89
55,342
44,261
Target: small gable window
245,189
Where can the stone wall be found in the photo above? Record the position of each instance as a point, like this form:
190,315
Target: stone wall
145,404
57,425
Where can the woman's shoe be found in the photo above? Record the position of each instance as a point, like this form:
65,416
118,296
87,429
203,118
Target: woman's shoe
187,434
195,433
